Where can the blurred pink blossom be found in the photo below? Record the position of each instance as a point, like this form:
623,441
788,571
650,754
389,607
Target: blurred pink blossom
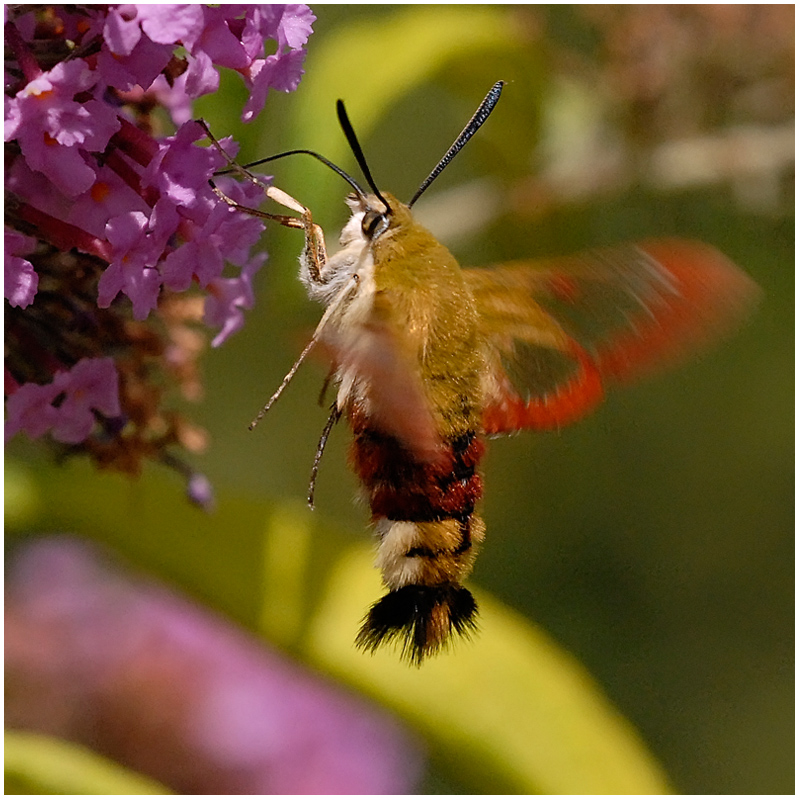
151,680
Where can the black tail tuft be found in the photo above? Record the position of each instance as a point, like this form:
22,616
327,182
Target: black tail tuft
422,618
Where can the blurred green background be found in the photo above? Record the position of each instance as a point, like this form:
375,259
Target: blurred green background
653,541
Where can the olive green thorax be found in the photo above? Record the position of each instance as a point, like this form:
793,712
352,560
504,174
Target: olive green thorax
420,284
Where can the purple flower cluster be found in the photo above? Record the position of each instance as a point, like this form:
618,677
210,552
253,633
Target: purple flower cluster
132,202
90,385
86,176
132,670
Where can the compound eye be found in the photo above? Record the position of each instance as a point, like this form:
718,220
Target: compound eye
373,223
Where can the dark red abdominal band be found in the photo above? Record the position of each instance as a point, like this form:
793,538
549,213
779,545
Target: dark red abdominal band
403,489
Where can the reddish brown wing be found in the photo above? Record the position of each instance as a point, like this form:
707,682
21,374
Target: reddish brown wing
558,331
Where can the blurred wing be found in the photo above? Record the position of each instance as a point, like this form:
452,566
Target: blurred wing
558,330
378,365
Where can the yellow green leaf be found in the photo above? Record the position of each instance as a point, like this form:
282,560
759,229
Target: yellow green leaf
374,62
509,712
37,764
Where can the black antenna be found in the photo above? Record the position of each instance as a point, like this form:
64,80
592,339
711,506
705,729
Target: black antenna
338,170
357,151
478,118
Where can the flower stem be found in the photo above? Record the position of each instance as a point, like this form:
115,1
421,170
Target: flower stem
140,146
63,235
28,64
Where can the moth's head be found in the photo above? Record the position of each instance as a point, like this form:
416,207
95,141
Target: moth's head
375,216
380,213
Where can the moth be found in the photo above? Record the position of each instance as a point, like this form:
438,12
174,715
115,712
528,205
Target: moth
429,360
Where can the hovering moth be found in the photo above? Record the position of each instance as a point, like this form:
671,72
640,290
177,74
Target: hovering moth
429,360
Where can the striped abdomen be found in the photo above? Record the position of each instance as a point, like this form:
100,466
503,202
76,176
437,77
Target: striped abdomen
424,514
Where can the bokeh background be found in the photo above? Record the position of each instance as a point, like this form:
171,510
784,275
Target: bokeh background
654,540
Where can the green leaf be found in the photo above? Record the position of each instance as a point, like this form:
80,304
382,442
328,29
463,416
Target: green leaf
36,764
506,713
375,62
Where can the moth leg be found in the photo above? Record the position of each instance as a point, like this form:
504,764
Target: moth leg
314,255
323,440
340,298
325,385
285,382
